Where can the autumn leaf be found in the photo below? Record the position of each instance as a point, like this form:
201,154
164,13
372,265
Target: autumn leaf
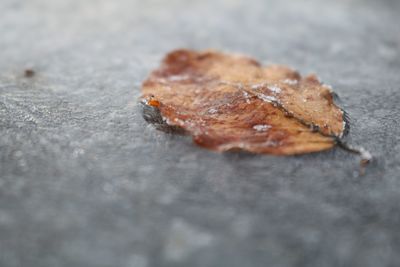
228,102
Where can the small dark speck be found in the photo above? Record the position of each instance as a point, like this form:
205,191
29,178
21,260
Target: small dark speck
29,73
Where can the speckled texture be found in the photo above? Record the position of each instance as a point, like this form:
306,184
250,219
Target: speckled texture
85,181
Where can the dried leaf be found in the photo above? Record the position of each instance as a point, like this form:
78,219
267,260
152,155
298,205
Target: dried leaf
231,102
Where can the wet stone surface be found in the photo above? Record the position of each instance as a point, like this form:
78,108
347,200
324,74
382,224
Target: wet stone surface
86,181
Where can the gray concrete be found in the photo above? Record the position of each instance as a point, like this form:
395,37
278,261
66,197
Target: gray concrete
84,181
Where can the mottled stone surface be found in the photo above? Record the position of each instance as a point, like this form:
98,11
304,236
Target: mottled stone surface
84,181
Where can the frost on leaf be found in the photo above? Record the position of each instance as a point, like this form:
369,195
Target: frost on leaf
228,102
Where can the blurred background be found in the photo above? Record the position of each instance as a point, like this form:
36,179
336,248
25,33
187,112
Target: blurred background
85,181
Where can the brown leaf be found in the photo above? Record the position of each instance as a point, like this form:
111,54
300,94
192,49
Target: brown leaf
231,102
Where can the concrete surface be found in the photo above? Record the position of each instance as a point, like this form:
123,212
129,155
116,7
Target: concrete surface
84,181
